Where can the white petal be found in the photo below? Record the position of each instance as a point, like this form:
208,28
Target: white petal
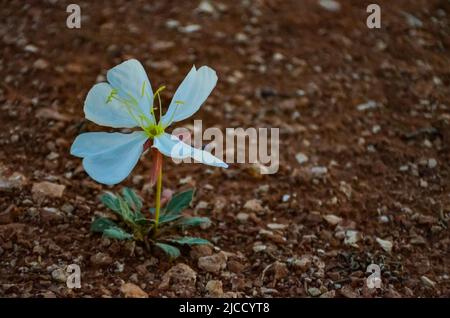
109,157
111,114
131,81
171,146
192,92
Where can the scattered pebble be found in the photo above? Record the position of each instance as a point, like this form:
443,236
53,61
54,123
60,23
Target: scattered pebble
31,48
423,183
52,156
259,248
276,226
330,5
200,250
319,171
191,28
9,182
352,237
40,64
403,168
49,214
130,290
202,205
348,292
386,245
59,275
412,21
432,163
101,259
376,129
428,282
280,270
314,292
329,294
346,189
214,288
180,279
214,263
47,189
172,24
332,219
242,216
302,263
285,198
367,106
253,205
206,7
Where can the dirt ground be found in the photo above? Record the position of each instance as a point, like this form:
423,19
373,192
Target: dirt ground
364,124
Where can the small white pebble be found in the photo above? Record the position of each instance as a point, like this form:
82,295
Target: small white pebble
242,216
376,129
301,158
404,168
172,24
371,148
427,143
432,163
276,226
259,248
190,28
319,171
278,57
285,198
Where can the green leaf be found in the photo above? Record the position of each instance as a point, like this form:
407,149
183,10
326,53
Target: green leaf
189,240
110,201
100,224
109,229
117,233
133,200
125,211
193,221
170,250
179,202
165,218
138,216
144,222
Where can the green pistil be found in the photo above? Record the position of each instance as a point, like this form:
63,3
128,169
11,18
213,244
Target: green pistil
153,131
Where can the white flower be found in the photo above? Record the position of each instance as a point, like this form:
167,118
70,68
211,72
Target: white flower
127,102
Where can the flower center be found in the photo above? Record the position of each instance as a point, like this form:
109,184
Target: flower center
154,130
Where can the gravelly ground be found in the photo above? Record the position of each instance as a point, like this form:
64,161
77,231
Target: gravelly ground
370,106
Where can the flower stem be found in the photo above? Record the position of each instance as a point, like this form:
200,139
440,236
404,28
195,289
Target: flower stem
158,194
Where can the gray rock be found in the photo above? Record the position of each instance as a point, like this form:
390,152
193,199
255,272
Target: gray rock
214,263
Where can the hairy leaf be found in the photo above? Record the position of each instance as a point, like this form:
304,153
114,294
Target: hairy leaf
117,233
133,200
100,224
189,240
193,221
165,218
125,211
110,201
170,250
179,202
